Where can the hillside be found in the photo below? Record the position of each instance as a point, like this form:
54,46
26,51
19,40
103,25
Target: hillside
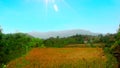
64,33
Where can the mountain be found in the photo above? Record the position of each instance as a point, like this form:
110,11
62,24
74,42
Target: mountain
65,33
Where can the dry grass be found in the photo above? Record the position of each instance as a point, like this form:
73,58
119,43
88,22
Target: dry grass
61,58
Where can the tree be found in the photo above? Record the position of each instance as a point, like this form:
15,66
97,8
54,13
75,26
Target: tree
118,29
2,51
118,33
0,33
115,48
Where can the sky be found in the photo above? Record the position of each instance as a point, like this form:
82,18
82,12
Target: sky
99,16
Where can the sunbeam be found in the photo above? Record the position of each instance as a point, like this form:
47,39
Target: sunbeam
55,7
53,3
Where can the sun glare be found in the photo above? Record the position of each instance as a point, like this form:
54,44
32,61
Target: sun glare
53,3
55,7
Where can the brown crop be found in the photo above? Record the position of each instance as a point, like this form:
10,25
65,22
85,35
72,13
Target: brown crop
59,58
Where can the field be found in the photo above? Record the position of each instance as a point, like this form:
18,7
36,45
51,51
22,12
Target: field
61,58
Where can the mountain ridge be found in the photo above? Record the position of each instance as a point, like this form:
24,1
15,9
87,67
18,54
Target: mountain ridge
63,33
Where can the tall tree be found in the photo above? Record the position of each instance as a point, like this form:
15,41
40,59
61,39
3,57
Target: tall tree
0,33
119,28
115,48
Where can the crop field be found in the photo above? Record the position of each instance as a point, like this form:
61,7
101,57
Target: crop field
61,58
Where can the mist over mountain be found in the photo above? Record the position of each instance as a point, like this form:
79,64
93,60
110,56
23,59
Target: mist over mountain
64,33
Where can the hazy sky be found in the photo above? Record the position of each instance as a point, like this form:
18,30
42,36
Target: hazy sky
101,16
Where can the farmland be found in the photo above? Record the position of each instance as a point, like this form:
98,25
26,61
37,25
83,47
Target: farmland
61,58
21,50
59,33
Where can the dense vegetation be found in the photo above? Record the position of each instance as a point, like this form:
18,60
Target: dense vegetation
15,45
76,39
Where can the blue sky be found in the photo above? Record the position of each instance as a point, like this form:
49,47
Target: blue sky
101,16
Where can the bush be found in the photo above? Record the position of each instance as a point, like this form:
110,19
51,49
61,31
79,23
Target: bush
16,45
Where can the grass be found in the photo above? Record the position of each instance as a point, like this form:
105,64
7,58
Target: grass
62,58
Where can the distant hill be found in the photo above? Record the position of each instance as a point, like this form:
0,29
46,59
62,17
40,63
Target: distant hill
64,33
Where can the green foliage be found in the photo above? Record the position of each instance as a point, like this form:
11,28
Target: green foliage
42,46
76,39
112,47
15,45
